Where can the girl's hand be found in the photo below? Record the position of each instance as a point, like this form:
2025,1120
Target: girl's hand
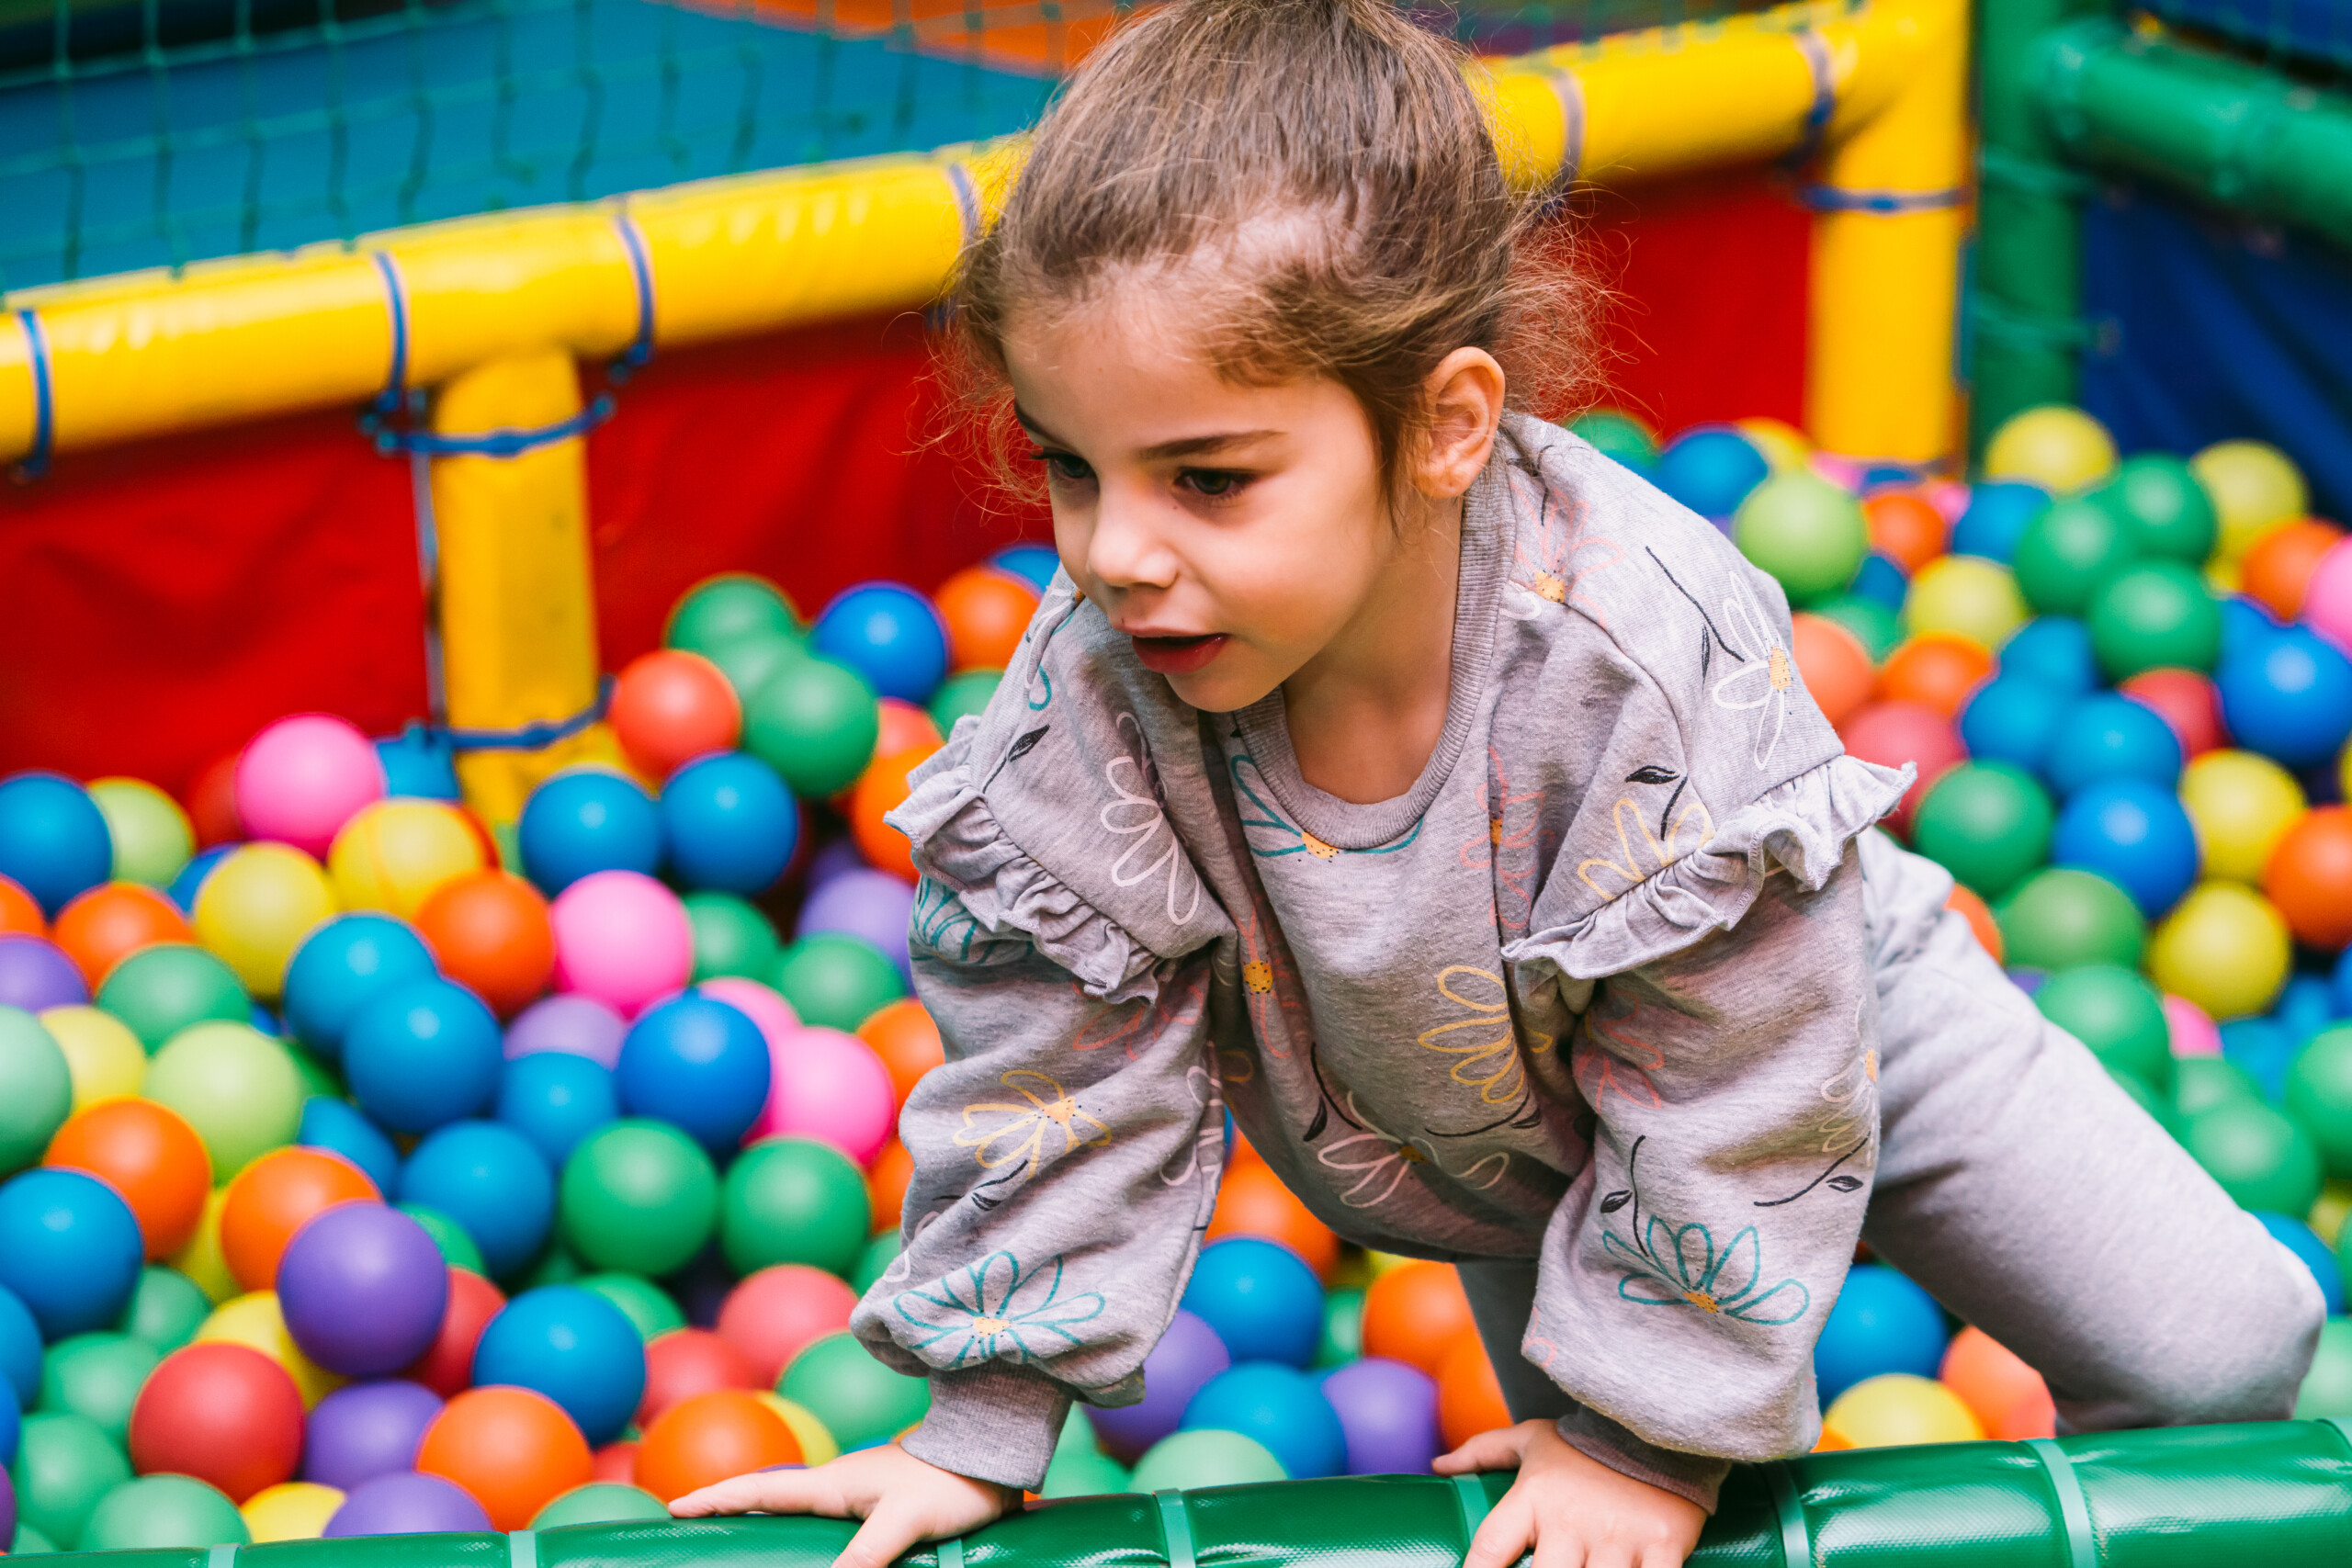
1575,1512
901,1499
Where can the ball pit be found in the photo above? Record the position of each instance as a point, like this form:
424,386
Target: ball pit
366,1430
394,853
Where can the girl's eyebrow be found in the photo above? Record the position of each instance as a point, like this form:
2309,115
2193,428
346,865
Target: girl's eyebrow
1190,446
1045,437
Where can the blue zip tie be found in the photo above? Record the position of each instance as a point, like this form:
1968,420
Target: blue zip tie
35,459
1833,198
530,736
2074,1512
640,267
1825,98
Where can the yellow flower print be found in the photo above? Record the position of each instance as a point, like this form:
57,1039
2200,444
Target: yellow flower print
1664,850
1563,554
1004,1133
1486,1043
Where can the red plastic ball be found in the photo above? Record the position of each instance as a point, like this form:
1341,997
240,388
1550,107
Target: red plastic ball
491,932
513,1449
149,1153
986,611
615,1461
688,1362
225,1414
109,923
2188,702
212,804
669,707
449,1366
775,1311
1892,734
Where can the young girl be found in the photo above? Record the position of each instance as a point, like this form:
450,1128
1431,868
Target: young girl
1396,771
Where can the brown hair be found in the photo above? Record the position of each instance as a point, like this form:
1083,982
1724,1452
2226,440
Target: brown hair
1320,175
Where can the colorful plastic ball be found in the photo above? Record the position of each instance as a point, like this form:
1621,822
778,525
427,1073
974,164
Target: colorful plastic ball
338,1127
1623,437
149,1156
2118,1015
1387,1415
342,965
602,1503
967,693
572,1346
2134,833
54,842
407,1503
2243,805
2253,488
1414,1312
859,1400
419,764
1898,1409
2060,917
164,1511
1905,527
579,1025
36,975
2054,445
166,1308
986,611
1185,1460
1833,664
2053,652
163,990
256,908
367,1429
273,1199
904,727
2158,499
730,937
223,1413
889,633
2313,1253
449,1366
2290,699
829,1085
95,1375
102,926
422,1053
1804,531
555,1099
2109,737
882,789
2008,1398
1261,1299
1892,734
2247,626
728,608
393,854
302,778
1987,823
2185,699
907,1041
793,1200
651,1309
748,663
2068,553
291,1510
709,1437
514,1450
1711,468
638,1196
2155,614
2260,1156
728,822
64,1465
780,1309
70,1249
2319,1095
1937,671
2224,948
2012,719
872,906
1278,1406
815,722
1034,563
770,1013
585,820
255,1320
684,1362
833,981
150,835
622,938
1997,513
493,1181
492,932
698,1064
1967,597
19,915
363,1290
671,706
2279,571
2308,878
1188,1355
1882,1323
102,1056
1252,1200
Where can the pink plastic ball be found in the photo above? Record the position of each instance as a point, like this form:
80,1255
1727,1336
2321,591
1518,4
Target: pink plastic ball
831,1085
622,938
1948,497
304,777
1843,472
2193,1030
757,1002
2327,602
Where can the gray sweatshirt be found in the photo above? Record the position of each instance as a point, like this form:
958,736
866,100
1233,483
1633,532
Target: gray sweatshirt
1594,991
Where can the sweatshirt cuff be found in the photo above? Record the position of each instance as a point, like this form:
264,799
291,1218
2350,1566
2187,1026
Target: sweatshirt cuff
1695,1476
993,1423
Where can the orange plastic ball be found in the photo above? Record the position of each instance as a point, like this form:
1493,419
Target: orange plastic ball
1937,671
513,1449
685,1362
1469,1399
1252,1200
113,920
1980,919
1832,662
670,707
710,1437
906,1039
490,930
149,1153
1243,1151
2309,877
883,789
19,915
886,1176
276,1195
986,611
2006,1395
1414,1313
1906,526
2278,571
1832,1440
900,726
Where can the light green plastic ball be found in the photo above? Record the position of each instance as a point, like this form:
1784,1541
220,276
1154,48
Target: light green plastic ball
157,1511
1805,531
1204,1457
836,981
728,608
2319,1095
152,840
601,1503
166,1309
793,1200
966,691
2202,1082
237,1086
815,722
159,991
64,1463
2067,554
2061,916
2160,501
858,1399
650,1309
731,938
36,1090
2118,1015
2327,1387
2262,1159
97,1376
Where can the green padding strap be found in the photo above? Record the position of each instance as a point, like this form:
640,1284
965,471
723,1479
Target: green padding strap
1175,1530
951,1553
2343,1428
1796,1542
1470,1495
223,1555
2082,1551
522,1548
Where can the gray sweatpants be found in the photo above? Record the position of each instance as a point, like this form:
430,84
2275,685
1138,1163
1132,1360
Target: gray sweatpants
2032,1197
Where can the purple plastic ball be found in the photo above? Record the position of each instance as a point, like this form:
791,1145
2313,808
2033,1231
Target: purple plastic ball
581,1025
7,1508
363,1289
1187,1356
836,858
35,975
872,906
366,1430
407,1504
1388,1411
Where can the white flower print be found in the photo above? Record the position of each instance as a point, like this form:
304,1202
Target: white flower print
1137,813
1764,680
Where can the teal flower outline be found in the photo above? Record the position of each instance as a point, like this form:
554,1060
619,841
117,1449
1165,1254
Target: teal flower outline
1271,821
1662,1259
984,1307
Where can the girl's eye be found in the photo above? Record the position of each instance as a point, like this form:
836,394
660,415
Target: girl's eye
1212,482
1066,467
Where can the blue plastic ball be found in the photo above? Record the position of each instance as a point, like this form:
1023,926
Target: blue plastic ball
1037,563
2013,718
888,633
2134,833
70,1249
186,885
572,1346
2289,698
1998,511
555,1098
2265,1049
1709,469
19,1350
1881,580
2341,983
490,1180
419,764
339,1127
584,820
2306,1005
53,839
729,823
698,1064
2111,736
2313,1253
2246,626
1264,1300
342,963
422,1053
1280,1407
1882,1323
12,1422
2054,652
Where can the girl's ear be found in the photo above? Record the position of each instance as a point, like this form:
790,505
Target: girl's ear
1464,397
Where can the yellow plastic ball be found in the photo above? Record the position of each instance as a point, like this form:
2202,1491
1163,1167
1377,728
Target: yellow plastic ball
237,1086
201,1259
1783,446
2334,1205
2255,487
1967,596
2344,771
2224,948
254,1319
2057,446
291,1510
102,1056
1380,1263
2242,804
255,908
1897,1408
395,853
817,1445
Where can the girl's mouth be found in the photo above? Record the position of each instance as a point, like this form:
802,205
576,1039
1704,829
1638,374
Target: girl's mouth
1178,655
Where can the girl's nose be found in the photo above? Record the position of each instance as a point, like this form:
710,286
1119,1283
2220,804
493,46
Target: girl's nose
1127,549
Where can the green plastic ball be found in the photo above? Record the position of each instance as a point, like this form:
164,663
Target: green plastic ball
835,981
237,1086
554,1265
96,1375
731,938
1877,629
646,1304
2159,500
2068,553
1343,1338
1620,435
2261,1158
601,1503
1204,1457
815,722
752,662
858,1399
2118,1015
794,1201
2156,615
64,1463
1987,823
2160,1110
157,1511
159,991
152,840
2327,1387
880,1252
317,1075
966,691
457,1248
2201,1082
1805,531
2060,917
720,610
166,1309
2319,1095
36,1090
31,1542
1089,1475
638,1197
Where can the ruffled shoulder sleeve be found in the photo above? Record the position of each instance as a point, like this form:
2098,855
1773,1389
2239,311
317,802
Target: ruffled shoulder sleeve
1061,814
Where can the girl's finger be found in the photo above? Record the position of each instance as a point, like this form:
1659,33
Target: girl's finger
1496,1450
1661,1556
1558,1545
887,1532
1503,1535
766,1491
1608,1555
